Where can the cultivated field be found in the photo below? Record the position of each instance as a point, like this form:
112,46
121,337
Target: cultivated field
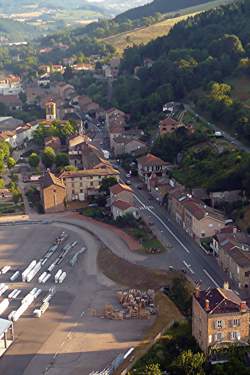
241,89
143,35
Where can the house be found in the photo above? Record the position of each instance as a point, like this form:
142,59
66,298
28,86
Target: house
115,123
83,154
83,184
121,192
53,193
124,144
10,85
219,318
220,197
168,126
83,67
20,135
84,101
13,102
122,208
149,164
53,142
9,123
233,255
122,201
196,218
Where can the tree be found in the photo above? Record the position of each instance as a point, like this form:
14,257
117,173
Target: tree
48,157
188,363
34,160
62,159
152,369
2,184
11,162
107,183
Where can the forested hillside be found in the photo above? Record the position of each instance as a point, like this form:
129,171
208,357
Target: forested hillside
193,61
158,6
17,31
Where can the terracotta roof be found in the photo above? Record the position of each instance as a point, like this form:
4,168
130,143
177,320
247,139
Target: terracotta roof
151,159
221,301
122,205
77,140
116,189
50,179
109,171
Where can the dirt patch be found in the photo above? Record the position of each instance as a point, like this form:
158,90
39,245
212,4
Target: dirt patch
133,275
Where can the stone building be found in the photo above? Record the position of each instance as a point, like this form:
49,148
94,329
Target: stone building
219,318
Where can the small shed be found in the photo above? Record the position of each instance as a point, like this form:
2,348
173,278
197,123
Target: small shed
6,335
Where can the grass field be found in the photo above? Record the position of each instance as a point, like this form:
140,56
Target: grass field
143,35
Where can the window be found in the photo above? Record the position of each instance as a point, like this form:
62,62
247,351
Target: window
219,324
235,335
236,322
91,183
219,336
81,190
210,339
73,192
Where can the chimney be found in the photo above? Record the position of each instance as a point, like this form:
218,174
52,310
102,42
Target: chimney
197,291
243,306
226,285
207,308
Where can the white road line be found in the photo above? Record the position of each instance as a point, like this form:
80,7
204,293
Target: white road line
211,278
162,222
188,266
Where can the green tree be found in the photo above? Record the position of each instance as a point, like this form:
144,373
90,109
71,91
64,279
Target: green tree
188,363
62,159
2,184
34,160
11,162
152,369
107,183
48,157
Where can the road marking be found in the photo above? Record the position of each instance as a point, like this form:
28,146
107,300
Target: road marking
211,278
188,266
162,222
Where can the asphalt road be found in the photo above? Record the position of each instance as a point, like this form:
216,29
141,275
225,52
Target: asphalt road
226,135
183,253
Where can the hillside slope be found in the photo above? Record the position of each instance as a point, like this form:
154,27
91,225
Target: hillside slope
207,48
15,31
161,6
143,35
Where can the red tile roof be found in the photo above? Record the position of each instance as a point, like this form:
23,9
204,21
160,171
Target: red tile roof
150,159
122,205
221,301
118,188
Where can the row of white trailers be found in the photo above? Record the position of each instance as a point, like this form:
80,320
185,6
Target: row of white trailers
26,303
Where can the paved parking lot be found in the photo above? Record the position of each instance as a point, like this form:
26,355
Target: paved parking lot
66,340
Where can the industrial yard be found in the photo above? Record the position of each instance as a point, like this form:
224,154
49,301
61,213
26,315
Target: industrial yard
49,285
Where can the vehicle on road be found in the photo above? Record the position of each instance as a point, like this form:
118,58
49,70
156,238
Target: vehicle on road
171,268
128,182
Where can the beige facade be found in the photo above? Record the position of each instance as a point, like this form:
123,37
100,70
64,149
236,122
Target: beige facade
197,219
219,319
121,192
83,184
53,193
149,164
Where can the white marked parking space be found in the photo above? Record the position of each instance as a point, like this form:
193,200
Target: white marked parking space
211,278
